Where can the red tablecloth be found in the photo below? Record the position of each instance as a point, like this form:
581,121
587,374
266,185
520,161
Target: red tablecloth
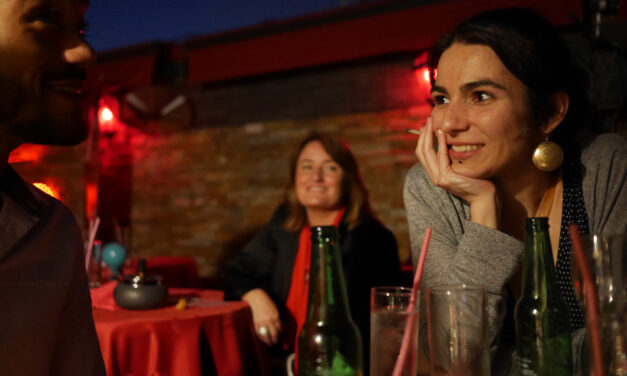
167,341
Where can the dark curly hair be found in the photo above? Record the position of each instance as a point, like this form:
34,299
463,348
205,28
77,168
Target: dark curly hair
533,51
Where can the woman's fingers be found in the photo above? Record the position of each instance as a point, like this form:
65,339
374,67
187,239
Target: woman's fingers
274,329
263,332
265,316
274,335
268,332
427,155
443,160
437,164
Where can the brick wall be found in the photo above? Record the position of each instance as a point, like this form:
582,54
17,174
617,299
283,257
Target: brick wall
202,190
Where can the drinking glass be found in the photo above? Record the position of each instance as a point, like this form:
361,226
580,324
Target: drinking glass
606,256
458,330
391,320
94,265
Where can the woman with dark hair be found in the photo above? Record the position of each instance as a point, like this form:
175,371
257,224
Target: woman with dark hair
504,90
324,189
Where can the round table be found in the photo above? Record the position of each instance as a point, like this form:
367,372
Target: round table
211,336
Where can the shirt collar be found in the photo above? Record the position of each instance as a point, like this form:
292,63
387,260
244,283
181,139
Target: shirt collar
20,192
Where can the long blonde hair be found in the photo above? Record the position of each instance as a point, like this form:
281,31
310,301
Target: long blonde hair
354,195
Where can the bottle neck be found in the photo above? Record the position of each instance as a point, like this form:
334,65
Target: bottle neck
539,281
327,290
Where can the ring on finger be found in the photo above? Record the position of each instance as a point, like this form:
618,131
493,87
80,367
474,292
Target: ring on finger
263,330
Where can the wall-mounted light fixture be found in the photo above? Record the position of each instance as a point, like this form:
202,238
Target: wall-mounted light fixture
108,115
421,71
106,121
423,75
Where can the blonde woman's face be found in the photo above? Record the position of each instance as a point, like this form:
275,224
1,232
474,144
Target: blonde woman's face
318,178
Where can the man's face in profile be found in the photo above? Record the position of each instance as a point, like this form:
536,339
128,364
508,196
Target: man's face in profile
42,55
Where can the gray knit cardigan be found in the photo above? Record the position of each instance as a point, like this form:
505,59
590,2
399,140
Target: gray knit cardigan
461,251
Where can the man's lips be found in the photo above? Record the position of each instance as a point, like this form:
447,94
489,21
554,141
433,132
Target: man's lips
72,87
70,81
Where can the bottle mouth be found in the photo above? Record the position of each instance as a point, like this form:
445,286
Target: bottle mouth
323,233
537,223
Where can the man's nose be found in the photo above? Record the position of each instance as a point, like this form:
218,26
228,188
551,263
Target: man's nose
80,53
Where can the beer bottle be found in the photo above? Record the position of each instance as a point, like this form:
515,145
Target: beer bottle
542,323
329,342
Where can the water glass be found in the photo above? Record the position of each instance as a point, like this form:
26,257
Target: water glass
94,265
607,257
390,320
458,330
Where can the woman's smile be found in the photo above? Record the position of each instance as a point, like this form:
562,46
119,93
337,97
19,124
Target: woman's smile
318,178
463,151
481,108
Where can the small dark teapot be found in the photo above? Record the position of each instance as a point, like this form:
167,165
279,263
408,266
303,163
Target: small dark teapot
141,291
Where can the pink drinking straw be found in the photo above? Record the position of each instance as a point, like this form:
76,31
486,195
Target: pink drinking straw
590,295
409,326
93,229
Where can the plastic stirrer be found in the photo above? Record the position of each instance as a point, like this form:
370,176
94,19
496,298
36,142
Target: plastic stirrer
93,229
591,296
409,326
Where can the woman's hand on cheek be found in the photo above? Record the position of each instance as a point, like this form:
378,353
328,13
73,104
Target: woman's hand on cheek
479,193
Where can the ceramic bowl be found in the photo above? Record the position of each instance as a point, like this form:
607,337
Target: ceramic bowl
134,292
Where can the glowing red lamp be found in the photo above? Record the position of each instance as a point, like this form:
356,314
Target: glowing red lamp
106,120
421,70
422,75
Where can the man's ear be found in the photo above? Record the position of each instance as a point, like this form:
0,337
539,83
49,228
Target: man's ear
560,107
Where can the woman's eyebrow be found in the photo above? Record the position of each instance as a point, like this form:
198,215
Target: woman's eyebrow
440,89
485,82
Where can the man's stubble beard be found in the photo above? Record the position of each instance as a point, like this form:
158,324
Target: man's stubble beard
30,120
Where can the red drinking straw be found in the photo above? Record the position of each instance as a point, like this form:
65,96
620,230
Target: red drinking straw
591,296
409,326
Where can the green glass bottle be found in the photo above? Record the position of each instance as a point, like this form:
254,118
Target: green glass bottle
542,324
329,342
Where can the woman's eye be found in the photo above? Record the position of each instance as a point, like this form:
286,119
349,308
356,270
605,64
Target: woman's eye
305,167
440,99
481,96
331,168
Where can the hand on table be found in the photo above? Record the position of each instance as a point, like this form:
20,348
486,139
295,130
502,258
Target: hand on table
479,193
265,315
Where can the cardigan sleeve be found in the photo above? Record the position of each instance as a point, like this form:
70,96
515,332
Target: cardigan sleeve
605,184
460,251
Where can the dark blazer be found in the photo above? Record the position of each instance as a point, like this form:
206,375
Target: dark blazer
369,258
46,322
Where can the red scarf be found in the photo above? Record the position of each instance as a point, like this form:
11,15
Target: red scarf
299,288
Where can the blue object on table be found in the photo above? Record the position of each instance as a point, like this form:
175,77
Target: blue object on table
113,256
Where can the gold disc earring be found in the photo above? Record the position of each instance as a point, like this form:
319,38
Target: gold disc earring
548,156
